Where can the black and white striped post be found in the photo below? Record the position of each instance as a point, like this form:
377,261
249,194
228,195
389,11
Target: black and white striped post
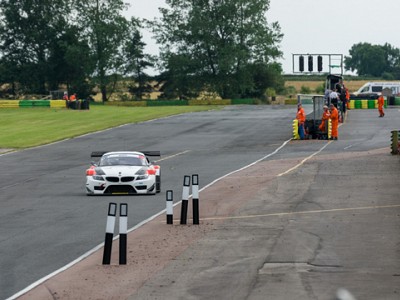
170,207
123,229
185,199
112,212
195,198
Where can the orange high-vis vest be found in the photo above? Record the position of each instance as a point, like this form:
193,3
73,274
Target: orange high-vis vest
301,115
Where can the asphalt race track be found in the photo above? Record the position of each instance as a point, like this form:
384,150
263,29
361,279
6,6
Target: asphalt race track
47,221
46,218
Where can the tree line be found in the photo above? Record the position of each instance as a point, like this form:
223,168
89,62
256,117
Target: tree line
374,60
224,47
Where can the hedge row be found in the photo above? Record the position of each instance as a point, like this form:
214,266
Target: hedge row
182,102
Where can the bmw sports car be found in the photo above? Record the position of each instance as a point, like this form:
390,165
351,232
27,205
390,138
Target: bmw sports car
123,172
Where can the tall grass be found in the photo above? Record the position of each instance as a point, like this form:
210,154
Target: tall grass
28,127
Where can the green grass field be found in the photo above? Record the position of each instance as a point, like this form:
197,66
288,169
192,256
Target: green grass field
29,127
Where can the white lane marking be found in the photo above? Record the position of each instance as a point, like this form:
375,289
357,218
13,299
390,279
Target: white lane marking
304,212
245,167
172,156
40,281
348,147
304,160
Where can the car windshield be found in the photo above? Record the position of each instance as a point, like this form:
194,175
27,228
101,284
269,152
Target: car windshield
122,160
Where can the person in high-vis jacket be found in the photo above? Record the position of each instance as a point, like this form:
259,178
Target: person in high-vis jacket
335,122
301,117
381,103
325,117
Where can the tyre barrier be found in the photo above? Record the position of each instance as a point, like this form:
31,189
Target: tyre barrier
365,104
78,104
296,135
395,143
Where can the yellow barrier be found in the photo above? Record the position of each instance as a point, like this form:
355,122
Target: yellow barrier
329,129
57,104
351,104
9,104
296,129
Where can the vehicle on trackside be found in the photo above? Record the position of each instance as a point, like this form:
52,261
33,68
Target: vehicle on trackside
123,173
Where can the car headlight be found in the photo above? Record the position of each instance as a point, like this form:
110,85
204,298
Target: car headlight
99,171
98,177
141,174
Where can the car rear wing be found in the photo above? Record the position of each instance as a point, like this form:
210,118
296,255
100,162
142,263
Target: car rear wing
151,153
146,153
98,153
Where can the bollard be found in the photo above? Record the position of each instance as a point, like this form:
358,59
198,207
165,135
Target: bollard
185,199
195,199
170,210
123,229
112,211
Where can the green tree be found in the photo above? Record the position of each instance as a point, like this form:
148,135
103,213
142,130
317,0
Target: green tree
135,61
103,26
374,60
26,31
70,63
213,43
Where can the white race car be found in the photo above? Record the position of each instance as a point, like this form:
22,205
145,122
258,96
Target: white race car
122,173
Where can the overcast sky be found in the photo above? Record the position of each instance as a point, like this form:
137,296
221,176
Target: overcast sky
314,26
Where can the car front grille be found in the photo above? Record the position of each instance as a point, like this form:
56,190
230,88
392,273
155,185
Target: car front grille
127,178
115,189
112,179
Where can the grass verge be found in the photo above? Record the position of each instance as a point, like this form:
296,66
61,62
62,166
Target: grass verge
29,127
